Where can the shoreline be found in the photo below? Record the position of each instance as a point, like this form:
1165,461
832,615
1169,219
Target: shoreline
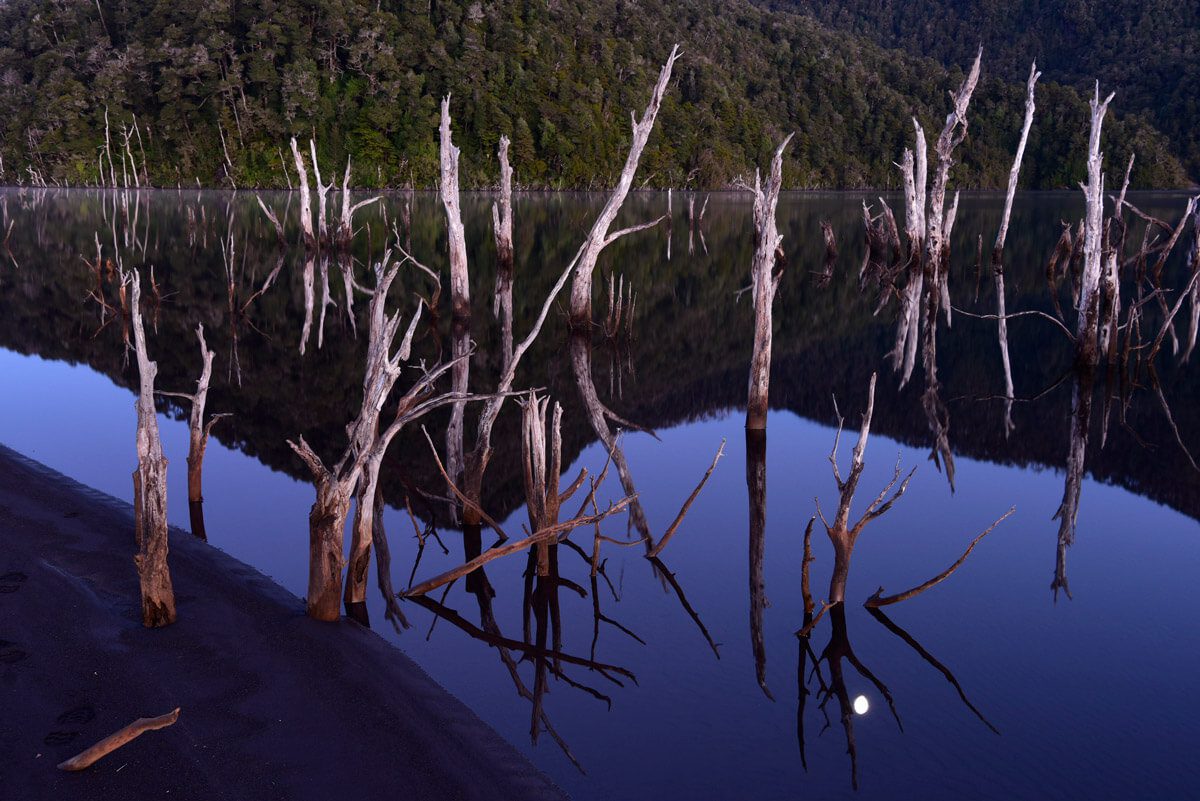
274,705
1186,191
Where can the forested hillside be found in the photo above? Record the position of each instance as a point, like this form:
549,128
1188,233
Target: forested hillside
1146,50
217,87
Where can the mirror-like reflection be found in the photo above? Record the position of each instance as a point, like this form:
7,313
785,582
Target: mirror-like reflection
574,620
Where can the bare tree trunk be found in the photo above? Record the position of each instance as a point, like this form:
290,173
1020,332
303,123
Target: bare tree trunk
766,272
952,135
599,237
306,219
1089,283
998,250
198,433
460,287
502,306
908,326
322,196
149,486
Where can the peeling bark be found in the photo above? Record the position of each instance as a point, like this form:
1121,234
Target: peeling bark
149,485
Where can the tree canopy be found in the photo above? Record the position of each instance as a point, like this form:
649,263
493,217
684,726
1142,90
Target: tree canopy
217,88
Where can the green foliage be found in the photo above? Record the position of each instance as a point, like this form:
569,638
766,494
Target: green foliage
1146,50
559,78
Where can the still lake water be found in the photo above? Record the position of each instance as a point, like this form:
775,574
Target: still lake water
1089,697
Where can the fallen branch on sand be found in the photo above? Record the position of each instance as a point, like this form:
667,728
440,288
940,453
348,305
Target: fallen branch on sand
117,739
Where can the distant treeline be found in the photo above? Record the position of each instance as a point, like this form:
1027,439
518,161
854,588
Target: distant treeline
217,88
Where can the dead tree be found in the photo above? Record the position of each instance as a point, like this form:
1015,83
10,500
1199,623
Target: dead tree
149,485
320,233
198,433
599,237
502,305
937,224
914,171
842,534
306,221
460,286
336,485
765,273
539,467
1086,329
998,249
344,233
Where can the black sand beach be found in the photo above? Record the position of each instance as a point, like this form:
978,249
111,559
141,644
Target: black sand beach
274,705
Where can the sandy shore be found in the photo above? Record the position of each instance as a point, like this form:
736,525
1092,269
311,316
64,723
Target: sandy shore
274,705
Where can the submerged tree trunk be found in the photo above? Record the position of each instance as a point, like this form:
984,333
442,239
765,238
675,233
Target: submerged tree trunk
765,272
150,486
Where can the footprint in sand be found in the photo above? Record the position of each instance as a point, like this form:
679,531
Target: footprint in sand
10,654
77,715
11,582
60,737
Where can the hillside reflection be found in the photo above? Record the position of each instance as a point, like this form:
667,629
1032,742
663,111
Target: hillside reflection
217,262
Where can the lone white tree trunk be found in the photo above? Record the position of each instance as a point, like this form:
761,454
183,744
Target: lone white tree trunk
149,486
1089,282
502,224
306,220
460,288
998,249
765,272
599,237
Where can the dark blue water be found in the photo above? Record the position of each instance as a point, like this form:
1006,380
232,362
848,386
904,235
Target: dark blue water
1092,696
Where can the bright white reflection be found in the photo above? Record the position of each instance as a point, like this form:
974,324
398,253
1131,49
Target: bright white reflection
861,705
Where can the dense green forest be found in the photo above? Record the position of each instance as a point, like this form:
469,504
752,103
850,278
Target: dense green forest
1146,50
218,86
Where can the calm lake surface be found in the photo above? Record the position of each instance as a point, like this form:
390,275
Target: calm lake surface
1003,690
